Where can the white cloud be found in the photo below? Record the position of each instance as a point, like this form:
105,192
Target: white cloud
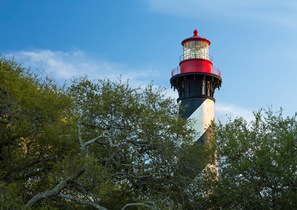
64,66
224,111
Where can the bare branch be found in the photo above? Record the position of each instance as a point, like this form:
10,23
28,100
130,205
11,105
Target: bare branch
84,145
103,135
55,191
139,204
87,202
79,134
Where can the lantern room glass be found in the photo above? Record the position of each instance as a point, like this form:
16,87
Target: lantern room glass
196,50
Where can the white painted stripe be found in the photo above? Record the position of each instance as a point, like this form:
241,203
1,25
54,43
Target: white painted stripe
202,117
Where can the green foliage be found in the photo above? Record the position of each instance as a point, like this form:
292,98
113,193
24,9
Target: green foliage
102,144
32,130
258,162
143,134
9,194
99,144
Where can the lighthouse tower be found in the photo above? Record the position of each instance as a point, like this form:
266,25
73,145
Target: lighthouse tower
196,79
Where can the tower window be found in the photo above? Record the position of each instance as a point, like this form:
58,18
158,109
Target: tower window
203,87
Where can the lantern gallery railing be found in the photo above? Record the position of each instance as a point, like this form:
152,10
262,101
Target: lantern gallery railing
214,70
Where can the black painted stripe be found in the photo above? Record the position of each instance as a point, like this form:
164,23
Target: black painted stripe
189,106
205,137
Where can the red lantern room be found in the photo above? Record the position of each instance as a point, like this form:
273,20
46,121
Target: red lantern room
196,57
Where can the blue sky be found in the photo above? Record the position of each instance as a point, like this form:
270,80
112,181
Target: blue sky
253,43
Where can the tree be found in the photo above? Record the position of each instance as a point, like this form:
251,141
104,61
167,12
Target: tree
32,137
138,133
98,144
258,162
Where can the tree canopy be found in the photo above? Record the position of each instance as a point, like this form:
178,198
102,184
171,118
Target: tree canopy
258,162
32,132
101,144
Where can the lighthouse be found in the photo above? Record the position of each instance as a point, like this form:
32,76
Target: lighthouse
196,79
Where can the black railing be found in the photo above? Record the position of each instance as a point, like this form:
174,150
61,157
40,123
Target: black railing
214,70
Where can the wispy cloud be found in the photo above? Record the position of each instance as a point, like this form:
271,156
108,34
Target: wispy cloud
225,111
64,66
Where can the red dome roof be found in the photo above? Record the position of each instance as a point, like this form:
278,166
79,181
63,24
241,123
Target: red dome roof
195,37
